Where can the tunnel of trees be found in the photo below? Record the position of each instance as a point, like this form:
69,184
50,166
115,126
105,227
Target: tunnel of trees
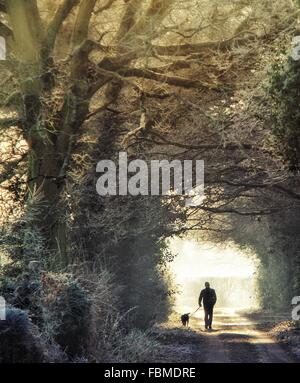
86,79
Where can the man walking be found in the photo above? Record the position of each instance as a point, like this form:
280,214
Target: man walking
209,298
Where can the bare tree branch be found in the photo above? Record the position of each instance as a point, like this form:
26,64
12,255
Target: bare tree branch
267,185
36,23
170,80
128,19
9,122
228,146
61,14
239,212
104,7
25,22
185,49
81,27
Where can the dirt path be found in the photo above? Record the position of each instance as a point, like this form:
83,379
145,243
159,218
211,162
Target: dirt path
234,339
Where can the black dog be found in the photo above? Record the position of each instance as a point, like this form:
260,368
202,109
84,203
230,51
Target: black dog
185,318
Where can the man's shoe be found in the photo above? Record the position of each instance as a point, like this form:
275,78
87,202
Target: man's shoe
209,327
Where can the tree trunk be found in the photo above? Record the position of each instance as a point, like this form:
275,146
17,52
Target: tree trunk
46,183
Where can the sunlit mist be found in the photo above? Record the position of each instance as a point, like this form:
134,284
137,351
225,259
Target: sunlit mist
229,270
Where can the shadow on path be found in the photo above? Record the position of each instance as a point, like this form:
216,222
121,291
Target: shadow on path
235,339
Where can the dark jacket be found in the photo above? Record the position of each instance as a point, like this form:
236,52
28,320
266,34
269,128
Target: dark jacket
208,296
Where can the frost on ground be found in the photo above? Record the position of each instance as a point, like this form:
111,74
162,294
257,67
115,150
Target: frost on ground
288,333
179,344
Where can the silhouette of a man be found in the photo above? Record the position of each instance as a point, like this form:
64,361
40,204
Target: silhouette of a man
209,298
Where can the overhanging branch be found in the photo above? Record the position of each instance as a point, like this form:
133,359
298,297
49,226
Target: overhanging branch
238,212
256,185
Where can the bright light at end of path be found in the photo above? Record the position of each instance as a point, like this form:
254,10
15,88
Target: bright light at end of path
229,270
195,260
